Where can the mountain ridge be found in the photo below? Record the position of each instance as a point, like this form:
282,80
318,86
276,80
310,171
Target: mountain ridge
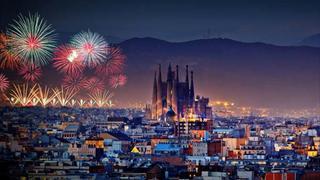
313,40
250,74
208,56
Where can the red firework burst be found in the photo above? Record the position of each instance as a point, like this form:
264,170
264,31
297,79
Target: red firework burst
4,83
114,63
8,59
118,80
30,72
74,82
94,85
67,60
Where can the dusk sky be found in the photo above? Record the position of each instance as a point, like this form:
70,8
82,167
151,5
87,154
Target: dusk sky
278,22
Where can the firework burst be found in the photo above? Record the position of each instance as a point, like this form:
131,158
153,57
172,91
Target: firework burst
64,95
114,63
94,85
32,39
118,80
91,47
23,95
74,82
30,72
101,98
8,58
4,83
67,60
45,96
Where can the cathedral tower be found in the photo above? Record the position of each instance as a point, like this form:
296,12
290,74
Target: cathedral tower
159,94
169,87
154,97
175,92
191,91
186,90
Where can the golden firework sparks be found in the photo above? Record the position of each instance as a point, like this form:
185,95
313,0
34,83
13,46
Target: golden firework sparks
64,96
101,98
81,102
45,96
24,95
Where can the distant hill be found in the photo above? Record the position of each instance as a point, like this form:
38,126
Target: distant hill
313,40
254,74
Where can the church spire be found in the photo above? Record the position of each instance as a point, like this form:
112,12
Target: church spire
154,94
175,97
154,97
159,94
186,90
169,87
191,90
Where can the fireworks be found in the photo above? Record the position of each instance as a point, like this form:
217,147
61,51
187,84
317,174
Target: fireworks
12,101
73,102
91,47
23,95
4,83
91,103
67,60
64,95
44,96
114,62
28,44
7,57
34,101
3,40
110,103
30,72
74,82
93,85
82,103
101,98
54,101
32,39
118,80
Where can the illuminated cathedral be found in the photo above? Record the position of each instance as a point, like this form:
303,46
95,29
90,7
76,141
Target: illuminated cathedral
175,96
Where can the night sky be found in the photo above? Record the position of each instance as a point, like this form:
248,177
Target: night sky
278,22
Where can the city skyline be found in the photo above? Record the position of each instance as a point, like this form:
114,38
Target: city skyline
152,89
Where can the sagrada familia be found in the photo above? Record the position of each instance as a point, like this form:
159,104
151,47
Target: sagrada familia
174,95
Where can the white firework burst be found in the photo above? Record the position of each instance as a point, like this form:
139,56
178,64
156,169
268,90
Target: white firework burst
91,46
